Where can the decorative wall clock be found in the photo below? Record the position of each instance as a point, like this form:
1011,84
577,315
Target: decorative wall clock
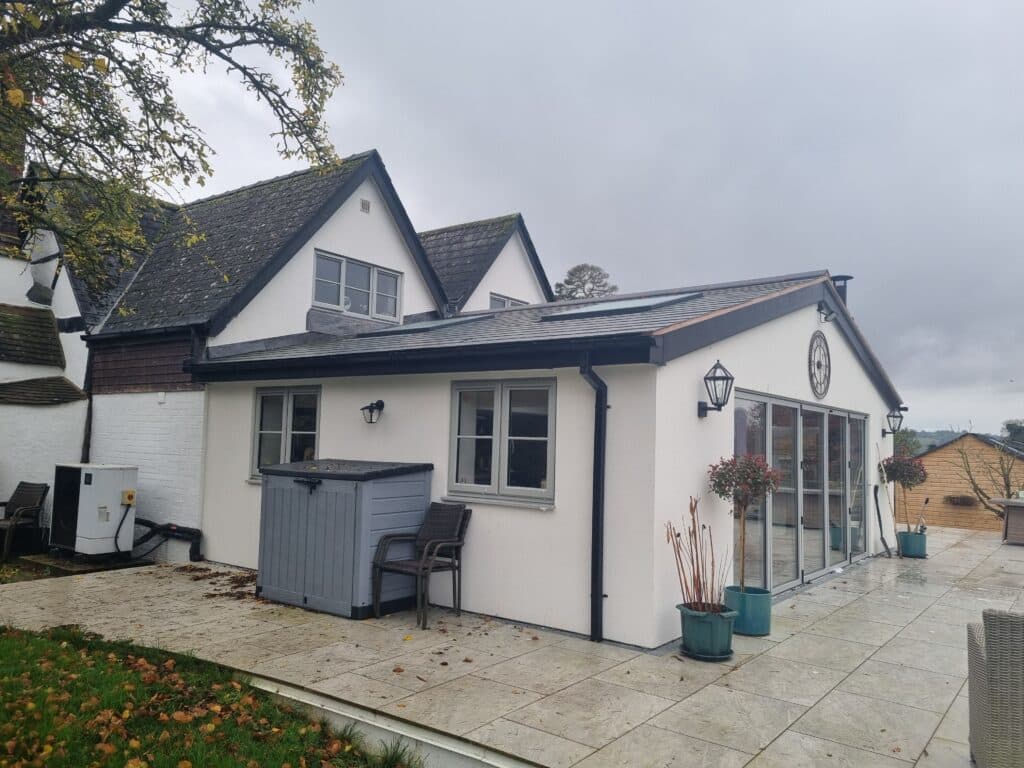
819,365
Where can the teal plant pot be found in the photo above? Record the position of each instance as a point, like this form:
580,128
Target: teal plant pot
913,544
706,636
835,538
753,608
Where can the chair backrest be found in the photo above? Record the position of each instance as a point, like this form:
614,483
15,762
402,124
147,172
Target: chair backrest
1004,634
27,495
442,521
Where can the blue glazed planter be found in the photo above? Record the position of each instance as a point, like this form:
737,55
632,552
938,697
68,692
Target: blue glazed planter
753,610
913,544
835,535
706,636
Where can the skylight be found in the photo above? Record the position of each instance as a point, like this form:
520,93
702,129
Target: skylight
423,326
621,307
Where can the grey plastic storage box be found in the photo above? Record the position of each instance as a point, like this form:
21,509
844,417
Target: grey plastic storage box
319,527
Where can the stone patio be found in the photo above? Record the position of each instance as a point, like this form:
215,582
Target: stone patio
866,669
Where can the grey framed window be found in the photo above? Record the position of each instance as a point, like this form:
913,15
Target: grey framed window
356,288
502,302
286,426
503,439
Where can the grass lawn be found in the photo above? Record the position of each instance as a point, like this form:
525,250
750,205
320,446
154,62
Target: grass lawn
70,699
21,571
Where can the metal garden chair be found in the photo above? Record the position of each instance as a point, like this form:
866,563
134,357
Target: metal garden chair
22,511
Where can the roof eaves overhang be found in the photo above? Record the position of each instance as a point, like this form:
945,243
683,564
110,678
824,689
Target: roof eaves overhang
562,353
681,338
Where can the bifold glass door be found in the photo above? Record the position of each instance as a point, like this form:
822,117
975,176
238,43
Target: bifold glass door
817,518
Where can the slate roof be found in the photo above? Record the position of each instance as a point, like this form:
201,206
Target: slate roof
51,390
462,254
29,335
1014,449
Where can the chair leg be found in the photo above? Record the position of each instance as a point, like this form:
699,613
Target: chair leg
426,599
378,577
455,593
8,541
419,600
458,604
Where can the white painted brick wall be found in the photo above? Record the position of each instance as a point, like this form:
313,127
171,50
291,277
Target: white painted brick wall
35,439
162,434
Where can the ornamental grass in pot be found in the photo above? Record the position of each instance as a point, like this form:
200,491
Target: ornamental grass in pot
742,480
705,619
907,472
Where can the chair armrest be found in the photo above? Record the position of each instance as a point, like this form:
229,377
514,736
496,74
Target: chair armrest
433,547
20,510
386,541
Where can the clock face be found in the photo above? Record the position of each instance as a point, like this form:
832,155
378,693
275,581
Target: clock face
819,365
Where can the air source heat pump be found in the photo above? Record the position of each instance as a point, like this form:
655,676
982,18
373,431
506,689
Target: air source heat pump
94,508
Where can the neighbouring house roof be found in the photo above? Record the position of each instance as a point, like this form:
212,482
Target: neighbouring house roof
29,335
1014,449
650,327
246,236
51,390
462,254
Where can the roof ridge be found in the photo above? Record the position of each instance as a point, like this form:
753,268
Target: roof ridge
274,179
507,216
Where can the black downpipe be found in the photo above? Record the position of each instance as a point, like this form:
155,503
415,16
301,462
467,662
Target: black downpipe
597,514
87,386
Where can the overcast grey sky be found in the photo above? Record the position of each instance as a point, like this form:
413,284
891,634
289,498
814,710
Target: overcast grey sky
688,142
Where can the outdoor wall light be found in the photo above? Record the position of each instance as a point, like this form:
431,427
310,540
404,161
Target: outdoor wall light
372,411
718,382
827,315
895,419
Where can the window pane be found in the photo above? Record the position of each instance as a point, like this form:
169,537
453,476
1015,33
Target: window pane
750,438
386,305
387,283
528,413
476,412
328,269
357,276
357,301
304,413
303,448
473,461
327,293
269,449
528,463
497,302
271,412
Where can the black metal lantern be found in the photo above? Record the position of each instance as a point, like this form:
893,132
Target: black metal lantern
372,411
718,382
895,420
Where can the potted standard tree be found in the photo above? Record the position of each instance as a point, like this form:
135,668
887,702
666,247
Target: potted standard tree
742,480
907,472
705,620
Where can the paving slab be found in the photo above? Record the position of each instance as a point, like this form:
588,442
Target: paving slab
942,753
530,743
832,653
799,750
783,679
547,670
670,677
650,747
903,685
921,654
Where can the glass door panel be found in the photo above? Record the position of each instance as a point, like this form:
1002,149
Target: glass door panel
749,439
785,509
858,498
813,491
836,488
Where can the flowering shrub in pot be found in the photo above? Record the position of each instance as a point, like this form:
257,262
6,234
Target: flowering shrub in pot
705,620
907,472
743,480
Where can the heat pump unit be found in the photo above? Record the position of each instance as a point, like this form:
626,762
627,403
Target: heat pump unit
94,504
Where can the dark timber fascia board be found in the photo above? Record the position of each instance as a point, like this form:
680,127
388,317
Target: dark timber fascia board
531,252
688,338
617,350
143,336
372,167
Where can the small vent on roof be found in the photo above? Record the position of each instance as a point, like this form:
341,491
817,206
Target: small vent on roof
364,205
622,306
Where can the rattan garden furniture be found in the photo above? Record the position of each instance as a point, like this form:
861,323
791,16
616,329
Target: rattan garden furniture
437,547
995,655
1013,520
22,512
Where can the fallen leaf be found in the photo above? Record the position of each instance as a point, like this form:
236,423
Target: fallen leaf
407,638
182,717
398,670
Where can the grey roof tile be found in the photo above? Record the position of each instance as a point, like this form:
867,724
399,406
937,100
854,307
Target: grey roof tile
29,335
50,390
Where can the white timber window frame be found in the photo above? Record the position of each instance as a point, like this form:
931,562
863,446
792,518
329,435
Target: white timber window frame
286,429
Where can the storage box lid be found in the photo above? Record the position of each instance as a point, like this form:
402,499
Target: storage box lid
345,469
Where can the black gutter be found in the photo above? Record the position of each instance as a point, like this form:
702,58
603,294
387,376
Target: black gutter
597,594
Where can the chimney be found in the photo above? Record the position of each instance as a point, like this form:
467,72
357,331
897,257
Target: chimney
12,168
840,281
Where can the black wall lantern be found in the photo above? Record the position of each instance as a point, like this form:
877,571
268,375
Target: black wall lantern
718,382
895,420
372,411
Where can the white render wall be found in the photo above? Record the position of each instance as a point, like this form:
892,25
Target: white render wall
511,275
280,308
771,359
521,563
35,440
162,434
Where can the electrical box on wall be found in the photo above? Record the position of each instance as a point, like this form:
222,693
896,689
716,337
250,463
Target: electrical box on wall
94,508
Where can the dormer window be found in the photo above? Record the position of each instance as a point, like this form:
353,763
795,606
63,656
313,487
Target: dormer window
503,302
356,288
